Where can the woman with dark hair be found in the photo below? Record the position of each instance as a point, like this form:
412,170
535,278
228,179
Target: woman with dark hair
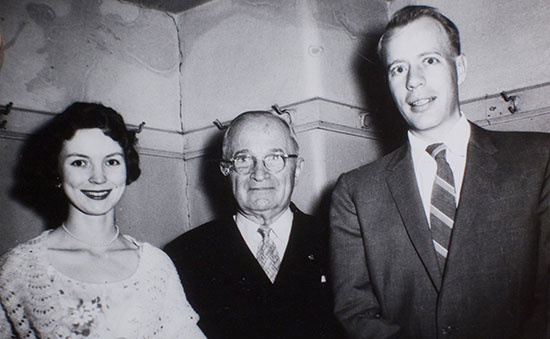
84,278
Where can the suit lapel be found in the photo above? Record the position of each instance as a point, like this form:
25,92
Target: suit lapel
476,188
295,247
401,181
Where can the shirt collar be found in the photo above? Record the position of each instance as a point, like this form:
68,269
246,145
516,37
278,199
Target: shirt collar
280,228
456,139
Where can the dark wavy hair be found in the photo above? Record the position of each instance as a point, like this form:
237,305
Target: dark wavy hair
409,14
83,115
37,173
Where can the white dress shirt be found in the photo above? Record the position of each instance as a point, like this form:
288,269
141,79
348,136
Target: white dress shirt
425,167
280,231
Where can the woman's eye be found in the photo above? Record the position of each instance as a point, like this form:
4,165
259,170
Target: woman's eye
78,163
113,162
397,70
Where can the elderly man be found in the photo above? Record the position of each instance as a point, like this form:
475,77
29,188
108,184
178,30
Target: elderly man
260,273
449,235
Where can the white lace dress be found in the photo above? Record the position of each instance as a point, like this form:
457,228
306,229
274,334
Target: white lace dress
37,301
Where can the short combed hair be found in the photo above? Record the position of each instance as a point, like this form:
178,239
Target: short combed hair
295,147
408,14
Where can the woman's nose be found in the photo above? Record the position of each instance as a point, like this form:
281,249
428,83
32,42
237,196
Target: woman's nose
98,175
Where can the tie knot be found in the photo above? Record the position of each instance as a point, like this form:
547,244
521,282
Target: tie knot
264,231
437,150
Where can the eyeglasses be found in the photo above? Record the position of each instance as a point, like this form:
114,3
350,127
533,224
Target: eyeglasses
244,163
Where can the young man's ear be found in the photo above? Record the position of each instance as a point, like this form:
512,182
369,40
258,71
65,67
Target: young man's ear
461,64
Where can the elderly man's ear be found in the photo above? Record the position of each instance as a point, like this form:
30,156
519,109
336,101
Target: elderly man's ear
225,169
299,165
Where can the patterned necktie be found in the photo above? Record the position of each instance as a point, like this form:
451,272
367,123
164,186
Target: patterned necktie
267,255
443,203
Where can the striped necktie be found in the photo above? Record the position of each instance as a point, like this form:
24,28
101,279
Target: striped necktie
267,254
443,203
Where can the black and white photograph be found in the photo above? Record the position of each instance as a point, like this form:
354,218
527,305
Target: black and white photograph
274,169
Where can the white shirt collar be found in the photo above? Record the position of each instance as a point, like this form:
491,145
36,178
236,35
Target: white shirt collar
456,140
280,231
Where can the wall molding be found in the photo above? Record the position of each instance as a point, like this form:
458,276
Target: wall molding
316,113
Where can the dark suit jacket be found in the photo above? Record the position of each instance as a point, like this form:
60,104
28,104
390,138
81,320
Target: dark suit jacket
386,278
234,298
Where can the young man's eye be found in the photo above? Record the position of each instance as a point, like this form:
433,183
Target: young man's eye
431,61
396,70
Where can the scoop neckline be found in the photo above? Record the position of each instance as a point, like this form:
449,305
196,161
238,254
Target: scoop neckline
53,269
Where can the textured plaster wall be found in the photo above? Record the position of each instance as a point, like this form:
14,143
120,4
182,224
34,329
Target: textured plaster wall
127,57
59,51
327,154
241,55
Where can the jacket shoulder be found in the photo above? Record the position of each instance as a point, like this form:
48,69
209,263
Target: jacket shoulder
512,144
513,136
373,170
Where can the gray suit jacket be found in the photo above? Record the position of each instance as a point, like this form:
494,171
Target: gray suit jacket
496,282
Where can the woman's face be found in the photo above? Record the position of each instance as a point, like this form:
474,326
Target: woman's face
93,171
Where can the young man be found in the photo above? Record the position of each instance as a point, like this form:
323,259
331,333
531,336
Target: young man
449,234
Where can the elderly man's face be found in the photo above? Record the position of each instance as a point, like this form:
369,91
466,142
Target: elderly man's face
261,194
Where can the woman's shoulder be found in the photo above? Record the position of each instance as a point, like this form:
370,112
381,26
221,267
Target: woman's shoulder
151,257
28,251
157,257
155,269
23,263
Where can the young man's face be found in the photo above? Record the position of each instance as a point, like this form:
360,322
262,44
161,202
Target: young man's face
423,75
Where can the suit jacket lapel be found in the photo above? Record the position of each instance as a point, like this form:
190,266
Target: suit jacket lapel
476,188
402,184
295,247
